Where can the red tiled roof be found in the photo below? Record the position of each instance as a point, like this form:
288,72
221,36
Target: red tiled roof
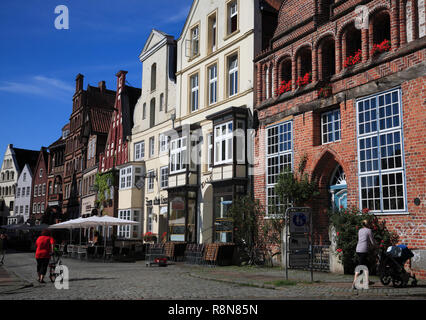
100,120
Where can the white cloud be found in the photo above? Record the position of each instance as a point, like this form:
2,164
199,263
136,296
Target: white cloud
179,16
39,86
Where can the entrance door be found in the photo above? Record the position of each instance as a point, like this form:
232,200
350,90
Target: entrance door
338,189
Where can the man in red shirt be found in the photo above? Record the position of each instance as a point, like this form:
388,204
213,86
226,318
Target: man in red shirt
44,245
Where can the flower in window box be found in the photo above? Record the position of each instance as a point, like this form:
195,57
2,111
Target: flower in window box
325,91
353,60
384,46
301,81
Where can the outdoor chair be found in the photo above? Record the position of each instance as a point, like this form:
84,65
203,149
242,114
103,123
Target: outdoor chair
108,252
155,251
70,250
198,254
82,251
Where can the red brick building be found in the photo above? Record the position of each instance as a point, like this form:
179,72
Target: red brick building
120,129
84,102
56,172
39,186
343,82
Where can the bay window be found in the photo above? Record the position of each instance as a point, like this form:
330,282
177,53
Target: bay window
178,149
223,139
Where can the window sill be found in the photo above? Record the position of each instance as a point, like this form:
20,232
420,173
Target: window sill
231,34
193,57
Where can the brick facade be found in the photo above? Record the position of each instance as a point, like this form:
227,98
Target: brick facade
318,42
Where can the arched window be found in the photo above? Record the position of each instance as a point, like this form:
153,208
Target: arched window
304,66
327,59
153,77
381,27
152,113
351,46
7,175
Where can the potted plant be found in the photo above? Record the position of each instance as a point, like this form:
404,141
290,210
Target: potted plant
150,237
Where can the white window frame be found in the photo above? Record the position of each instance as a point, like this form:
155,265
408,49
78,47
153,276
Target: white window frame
325,126
279,155
126,178
227,138
150,183
379,129
164,143
195,41
195,92
124,231
232,75
232,12
139,151
212,72
164,177
151,147
178,155
210,155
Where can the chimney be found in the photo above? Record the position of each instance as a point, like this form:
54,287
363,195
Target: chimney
79,82
121,75
102,86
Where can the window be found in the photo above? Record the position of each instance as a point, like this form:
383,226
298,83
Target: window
330,126
209,151
152,113
21,209
151,147
41,173
164,143
178,155
153,76
233,75
194,92
149,218
28,191
164,171
150,184
44,189
144,111
35,208
27,208
24,177
126,178
35,191
223,138
161,101
212,84
139,151
42,208
195,41
18,192
232,17
124,231
212,33
278,158
380,150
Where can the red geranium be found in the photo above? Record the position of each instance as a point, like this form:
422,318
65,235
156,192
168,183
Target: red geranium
352,60
381,47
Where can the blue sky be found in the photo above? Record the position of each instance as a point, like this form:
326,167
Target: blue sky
38,63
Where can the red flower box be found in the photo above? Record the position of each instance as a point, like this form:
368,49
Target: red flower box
353,60
384,46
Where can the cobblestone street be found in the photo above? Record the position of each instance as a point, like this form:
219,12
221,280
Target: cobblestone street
134,281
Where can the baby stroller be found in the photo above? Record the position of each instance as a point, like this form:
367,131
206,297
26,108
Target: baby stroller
55,260
391,267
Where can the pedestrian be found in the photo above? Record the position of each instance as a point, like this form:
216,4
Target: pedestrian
44,249
365,242
3,244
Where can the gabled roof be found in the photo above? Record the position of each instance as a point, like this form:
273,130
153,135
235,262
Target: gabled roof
100,99
57,143
100,120
151,44
24,156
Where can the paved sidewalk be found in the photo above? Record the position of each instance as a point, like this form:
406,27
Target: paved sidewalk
328,284
9,282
